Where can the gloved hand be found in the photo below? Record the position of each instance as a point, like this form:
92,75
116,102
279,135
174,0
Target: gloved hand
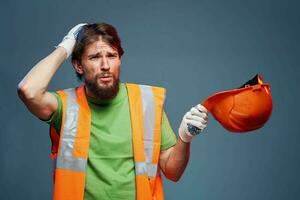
69,40
193,123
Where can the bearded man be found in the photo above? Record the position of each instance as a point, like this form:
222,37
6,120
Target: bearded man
110,140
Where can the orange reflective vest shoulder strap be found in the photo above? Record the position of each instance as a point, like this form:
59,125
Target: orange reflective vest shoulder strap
146,106
70,150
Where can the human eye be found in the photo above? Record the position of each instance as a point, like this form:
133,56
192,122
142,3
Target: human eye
112,55
94,57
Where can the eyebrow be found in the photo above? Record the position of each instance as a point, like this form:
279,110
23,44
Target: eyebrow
98,54
93,55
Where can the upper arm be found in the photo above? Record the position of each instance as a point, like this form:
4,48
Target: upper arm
168,137
42,106
163,158
168,140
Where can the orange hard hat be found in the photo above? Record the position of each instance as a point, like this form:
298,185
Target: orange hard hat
244,109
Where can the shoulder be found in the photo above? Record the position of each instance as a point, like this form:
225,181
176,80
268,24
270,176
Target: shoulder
145,86
70,92
67,89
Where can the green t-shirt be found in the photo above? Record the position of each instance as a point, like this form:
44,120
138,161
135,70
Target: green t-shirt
110,169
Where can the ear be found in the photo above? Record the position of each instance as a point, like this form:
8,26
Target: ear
77,66
120,59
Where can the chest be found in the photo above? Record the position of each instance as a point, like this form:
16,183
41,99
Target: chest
111,135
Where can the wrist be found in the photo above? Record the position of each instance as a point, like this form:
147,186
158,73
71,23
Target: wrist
185,137
67,45
61,51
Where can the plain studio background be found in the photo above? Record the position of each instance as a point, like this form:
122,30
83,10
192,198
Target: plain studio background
193,48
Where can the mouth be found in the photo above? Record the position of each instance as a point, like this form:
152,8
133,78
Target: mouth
105,78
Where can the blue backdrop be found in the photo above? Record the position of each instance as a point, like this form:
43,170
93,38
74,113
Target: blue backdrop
193,48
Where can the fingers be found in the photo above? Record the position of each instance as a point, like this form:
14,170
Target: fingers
193,123
197,124
197,117
201,108
77,28
201,119
193,130
198,111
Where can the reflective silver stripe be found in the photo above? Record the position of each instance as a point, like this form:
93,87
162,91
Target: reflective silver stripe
143,168
65,158
149,120
148,111
71,163
152,169
140,168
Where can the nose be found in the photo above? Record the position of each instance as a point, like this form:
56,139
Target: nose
104,63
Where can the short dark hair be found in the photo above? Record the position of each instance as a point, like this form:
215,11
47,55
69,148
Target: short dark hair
89,34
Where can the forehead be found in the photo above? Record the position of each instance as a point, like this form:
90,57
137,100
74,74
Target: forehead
99,46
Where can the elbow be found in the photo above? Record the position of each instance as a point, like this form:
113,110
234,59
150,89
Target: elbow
24,91
175,176
174,179
21,90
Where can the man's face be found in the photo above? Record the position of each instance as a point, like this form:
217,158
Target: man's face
100,68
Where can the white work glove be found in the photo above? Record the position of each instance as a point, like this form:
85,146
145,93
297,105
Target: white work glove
193,123
69,40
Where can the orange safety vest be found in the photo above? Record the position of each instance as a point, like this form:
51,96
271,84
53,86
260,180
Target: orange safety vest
70,150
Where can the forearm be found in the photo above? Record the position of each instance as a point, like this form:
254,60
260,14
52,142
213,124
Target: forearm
177,160
174,160
36,82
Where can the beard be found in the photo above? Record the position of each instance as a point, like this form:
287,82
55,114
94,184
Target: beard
105,91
